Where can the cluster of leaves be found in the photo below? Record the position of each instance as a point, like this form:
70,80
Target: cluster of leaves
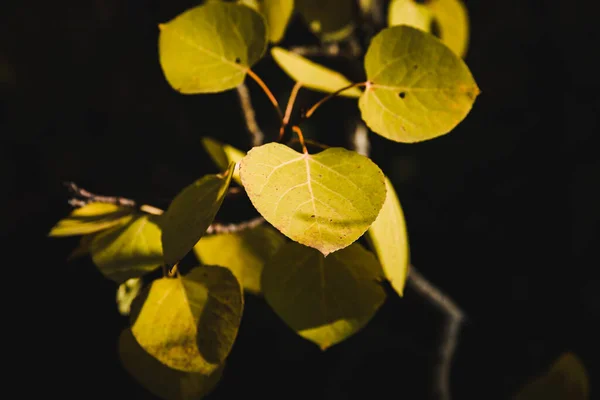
307,261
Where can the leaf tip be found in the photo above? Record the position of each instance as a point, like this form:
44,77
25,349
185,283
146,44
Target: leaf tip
161,27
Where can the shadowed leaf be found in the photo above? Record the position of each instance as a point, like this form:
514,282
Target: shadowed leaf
277,14
224,154
92,217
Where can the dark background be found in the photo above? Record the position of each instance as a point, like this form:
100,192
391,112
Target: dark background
502,213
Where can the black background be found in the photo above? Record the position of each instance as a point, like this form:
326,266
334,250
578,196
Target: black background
502,213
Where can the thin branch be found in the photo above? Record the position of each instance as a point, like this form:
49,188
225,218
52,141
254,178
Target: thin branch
89,197
249,115
454,317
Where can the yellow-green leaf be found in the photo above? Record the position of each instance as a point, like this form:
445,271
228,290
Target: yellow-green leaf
326,201
324,299
276,12
83,248
209,48
160,380
244,253
126,293
91,218
189,323
128,251
311,74
190,214
418,88
389,239
450,16
565,380
223,155
331,20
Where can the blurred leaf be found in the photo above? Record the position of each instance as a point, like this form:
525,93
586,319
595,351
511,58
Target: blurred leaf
190,214
324,299
223,155
190,322
277,14
160,380
128,251
83,248
450,16
312,75
244,253
209,48
389,240
126,292
92,217
419,89
325,201
566,380
331,20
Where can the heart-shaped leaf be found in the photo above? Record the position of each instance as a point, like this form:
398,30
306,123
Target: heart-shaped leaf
189,323
276,12
128,251
311,74
190,214
324,299
210,48
389,239
417,88
92,217
164,382
449,17
326,201
245,255
331,20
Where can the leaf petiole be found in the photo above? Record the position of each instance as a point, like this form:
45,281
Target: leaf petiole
289,108
298,131
329,96
267,91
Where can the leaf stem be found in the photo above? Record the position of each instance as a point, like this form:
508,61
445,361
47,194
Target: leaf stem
289,108
329,96
267,91
298,131
311,142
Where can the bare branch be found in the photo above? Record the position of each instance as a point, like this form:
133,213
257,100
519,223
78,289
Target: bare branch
86,197
454,317
249,115
217,228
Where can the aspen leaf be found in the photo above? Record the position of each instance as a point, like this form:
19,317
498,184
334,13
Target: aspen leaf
450,16
210,48
325,201
312,75
565,380
128,251
223,154
418,88
92,217
277,14
162,381
189,323
323,299
388,238
244,253
190,214
83,248
331,20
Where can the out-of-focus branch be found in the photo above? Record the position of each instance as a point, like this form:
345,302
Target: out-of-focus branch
249,115
454,318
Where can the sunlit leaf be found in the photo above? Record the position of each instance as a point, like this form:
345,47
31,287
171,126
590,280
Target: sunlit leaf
223,154
190,322
126,292
324,299
209,48
419,89
160,380
276,12
331,20
190,214
91,218
565,380
449,16
128,251
326,201
312,75
388,237
244,253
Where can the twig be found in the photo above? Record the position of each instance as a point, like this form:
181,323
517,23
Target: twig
360,139
214,228
249,115
454,317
